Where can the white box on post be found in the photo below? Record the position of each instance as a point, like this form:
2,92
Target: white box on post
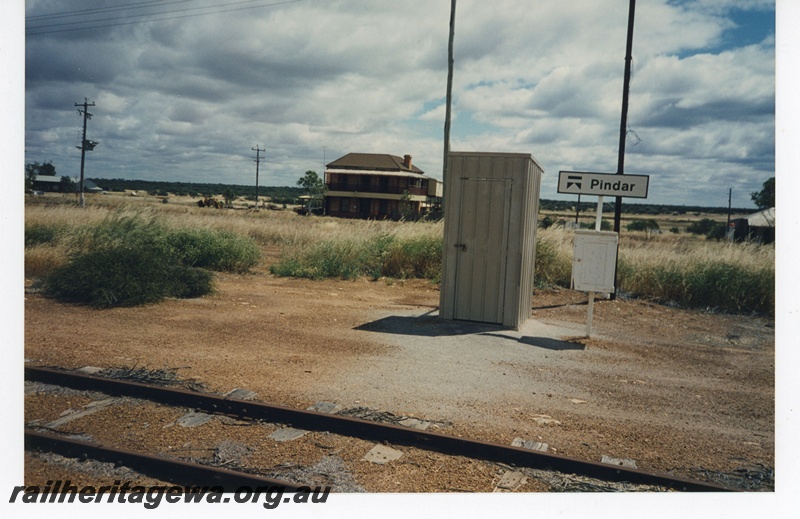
594,262
594,259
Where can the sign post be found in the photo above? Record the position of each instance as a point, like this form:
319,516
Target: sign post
603,184
595,252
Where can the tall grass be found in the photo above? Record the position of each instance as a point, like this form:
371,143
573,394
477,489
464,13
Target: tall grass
669,268
553,265
214,250
131,258
730,277
683,270
383,254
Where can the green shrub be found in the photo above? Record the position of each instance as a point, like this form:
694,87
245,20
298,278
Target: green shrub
718,232
215,250
327,259
605,225
337,259
125,276
383,255
727,287
289,267
133,260
374,254
715,285
547,222
643,225
191,282
38,234
419,257
705,226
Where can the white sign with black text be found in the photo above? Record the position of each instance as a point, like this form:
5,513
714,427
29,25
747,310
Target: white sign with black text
603,184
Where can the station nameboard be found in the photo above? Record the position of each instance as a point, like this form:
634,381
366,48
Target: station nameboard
603,184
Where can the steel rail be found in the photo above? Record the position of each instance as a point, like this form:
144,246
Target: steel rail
165,469
368,430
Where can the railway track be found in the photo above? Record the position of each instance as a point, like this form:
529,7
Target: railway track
181,472
166,469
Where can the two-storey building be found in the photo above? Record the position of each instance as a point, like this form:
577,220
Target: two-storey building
371,185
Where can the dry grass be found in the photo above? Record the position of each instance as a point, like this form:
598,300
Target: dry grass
44,258
639,249
267,228
732,277
681,268
283,228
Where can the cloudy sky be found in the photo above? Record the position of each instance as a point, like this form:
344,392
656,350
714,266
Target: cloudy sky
184,89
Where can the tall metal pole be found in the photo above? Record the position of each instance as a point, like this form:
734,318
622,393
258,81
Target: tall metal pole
83,146
623,128
257,161
449,90
623,125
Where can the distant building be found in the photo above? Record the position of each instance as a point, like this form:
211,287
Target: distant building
52,184
759,227
47,183
370,185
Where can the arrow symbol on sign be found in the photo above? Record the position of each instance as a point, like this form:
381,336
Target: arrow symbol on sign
573,178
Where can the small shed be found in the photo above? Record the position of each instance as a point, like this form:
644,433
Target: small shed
491,212
758,227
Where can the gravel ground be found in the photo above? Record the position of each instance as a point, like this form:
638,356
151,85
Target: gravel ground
673,390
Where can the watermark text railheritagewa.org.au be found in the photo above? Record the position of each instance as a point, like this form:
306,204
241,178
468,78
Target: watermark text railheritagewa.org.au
151,497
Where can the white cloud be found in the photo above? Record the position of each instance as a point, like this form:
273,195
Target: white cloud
722,6
188,98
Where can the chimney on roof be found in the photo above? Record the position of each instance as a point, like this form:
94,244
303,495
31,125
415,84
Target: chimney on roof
407,161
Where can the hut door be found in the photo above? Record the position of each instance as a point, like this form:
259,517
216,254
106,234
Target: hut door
483,223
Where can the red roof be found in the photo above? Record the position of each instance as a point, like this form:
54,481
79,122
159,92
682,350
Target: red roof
373,161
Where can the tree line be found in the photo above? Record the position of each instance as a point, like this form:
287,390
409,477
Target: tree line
291,194
278,195
644,209
311,184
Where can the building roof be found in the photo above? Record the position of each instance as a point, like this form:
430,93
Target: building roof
765,218
56,179
384,173
48,179
373,161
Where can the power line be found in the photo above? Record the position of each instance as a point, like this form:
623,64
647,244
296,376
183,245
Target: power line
123,7
216,11
206,7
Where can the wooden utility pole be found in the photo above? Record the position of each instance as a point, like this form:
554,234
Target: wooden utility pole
449,89
728,233
85,145
257,160
730,194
